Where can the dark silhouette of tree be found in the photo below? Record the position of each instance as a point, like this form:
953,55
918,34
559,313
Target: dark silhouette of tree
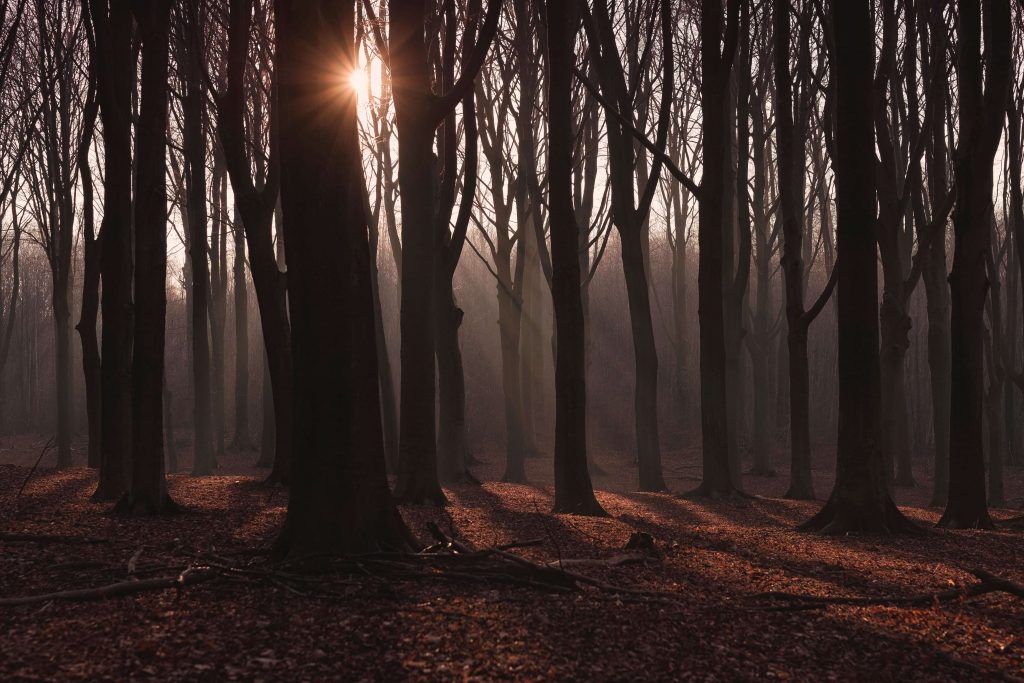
340,500
629,215
418,114
112,28
256,195
90,305
147,493
933,273
52,168
860,499
453,451
982,105
573,491
716,65
791,141
191,56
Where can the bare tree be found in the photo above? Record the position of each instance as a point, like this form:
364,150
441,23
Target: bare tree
340,500
982,106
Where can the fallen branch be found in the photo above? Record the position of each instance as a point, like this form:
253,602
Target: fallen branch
987,583
448,559
46,538
188,577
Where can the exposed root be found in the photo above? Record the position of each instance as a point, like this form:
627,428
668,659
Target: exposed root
844,517
585,508
953,519
145,506
707,492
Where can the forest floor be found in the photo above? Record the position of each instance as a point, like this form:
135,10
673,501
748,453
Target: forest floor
715,560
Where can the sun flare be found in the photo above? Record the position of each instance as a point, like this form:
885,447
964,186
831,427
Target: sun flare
359,81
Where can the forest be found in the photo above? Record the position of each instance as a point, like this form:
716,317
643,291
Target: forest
511,340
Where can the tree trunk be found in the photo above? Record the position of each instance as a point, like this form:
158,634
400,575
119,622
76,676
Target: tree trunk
243,439
86,326
62,367
194,142
114,76
717,479
147,494
573,490
860,500
340,501
981,113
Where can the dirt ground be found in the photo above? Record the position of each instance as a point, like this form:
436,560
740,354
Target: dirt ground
717,560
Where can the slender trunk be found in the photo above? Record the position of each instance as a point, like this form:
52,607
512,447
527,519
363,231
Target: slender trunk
62,352
243,439
147,494
717,476
114,76
417,458
451,437
194,142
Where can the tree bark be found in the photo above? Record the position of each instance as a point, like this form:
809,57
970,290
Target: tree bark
243,438
573,490
981,117
860,499
716,65
194,142
147,493
114,82
340,501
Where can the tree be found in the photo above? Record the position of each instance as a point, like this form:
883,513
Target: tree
791,142
90,305
860,499
255,200
340,500
934,265
629,215
190,55
573,491
52,163
147,493
418,113
716,65
453,452
112,27
494,123
982,107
